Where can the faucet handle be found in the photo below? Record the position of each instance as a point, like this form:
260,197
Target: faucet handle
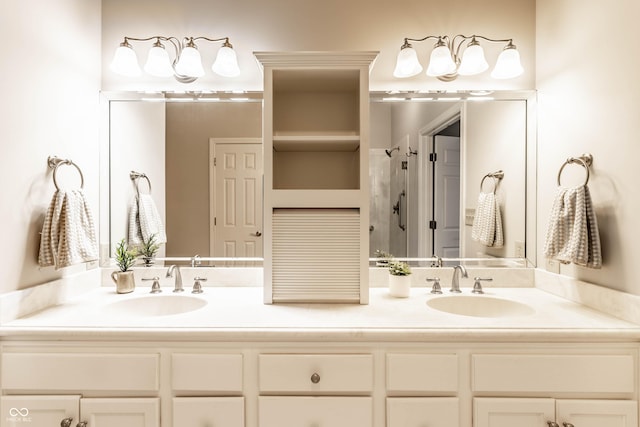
435,289
477,286
155,287
197,286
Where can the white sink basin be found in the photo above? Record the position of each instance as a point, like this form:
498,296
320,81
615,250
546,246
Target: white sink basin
156,305
479,306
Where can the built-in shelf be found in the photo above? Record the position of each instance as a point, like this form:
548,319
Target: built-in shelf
318,142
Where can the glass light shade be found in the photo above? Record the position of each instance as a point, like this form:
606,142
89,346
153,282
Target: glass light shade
190,63
473,61
407,64
440,62
226,63
508,64
158,63
125,62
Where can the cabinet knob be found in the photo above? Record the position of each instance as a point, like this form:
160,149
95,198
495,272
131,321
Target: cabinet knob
66,422
552,424
82,424
315,378
567,424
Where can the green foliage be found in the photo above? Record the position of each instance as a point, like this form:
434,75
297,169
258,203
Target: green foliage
399,268
125,257
379,253
149,248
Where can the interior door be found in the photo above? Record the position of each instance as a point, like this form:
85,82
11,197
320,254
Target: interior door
237,221
446,196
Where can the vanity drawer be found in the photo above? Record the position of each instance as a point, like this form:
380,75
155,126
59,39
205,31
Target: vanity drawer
411,373
315,374
422,411
208,411
80,371
221,373
553,373
315,411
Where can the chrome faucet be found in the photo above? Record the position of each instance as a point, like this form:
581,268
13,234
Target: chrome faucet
455,282
178,284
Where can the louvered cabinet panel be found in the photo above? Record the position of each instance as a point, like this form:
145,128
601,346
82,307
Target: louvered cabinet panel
316,255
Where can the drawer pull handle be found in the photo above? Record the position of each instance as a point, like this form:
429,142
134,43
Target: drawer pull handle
567,424
315,378
552,424
66,422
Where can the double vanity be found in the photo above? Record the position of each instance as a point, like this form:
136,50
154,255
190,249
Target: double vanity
516,356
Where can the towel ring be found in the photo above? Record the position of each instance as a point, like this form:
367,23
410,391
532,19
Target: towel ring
55,163
497,176
585,161
135,176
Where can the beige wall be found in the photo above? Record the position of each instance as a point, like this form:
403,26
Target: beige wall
302,25
587,77
50,84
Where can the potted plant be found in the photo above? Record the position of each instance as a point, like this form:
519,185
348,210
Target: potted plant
399,279
148,250
383,258
125,258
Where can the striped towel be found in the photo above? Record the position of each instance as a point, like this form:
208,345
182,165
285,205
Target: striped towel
145,221
68,234
572,232
487,221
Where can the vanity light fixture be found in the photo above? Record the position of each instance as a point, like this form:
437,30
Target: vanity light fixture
448,58
187,64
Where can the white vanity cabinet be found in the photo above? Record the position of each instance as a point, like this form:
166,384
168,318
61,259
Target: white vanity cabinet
207,389
536,412
418,375
316,176
75,411
102,388
315,390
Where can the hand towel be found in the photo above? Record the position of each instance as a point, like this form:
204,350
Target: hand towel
487,221
572,233
68,234
145,221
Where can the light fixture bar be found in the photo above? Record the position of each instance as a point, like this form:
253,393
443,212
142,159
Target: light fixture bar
448,59
186,66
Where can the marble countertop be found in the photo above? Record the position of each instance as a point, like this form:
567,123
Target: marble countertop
239,314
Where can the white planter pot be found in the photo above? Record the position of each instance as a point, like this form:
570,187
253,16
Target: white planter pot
399,286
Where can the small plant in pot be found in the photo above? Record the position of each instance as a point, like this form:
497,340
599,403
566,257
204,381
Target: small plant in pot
383,258
125,259
148,250
399,279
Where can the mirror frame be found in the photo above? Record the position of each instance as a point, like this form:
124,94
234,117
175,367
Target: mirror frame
530,96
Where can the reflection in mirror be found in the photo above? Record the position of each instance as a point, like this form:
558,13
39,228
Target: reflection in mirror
419,208
429,159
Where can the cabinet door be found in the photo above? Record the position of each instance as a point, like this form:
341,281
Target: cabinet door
121,412
597,413
208,411
315,411
507,412
38,411
422,411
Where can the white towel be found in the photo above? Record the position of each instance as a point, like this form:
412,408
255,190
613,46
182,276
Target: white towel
487,221
145,221
68,234
572,232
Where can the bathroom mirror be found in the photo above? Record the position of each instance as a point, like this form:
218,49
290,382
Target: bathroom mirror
417,207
